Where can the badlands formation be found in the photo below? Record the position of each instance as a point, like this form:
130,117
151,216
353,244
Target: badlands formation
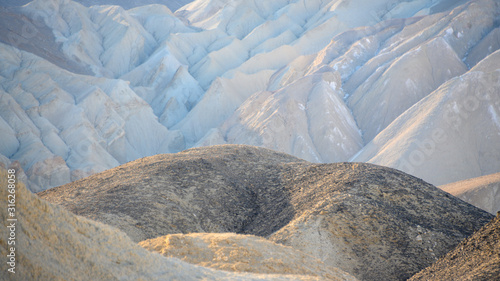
372,222
126,4
412,85
98,101
433,130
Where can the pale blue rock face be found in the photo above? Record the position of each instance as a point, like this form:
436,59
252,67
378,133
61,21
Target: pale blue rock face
173,5
85,88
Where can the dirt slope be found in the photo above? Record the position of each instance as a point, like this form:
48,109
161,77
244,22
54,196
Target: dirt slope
476,258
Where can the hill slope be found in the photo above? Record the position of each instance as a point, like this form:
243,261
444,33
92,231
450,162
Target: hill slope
482,192
241,253
476,258
54,244
373,222
128,4
451,119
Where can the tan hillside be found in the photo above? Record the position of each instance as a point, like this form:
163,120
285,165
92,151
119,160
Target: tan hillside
482,192
241,253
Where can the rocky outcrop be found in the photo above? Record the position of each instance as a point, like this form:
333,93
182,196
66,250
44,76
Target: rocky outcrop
476,258
482,192
375,223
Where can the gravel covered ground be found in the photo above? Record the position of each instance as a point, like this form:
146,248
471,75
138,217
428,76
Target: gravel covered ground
475,258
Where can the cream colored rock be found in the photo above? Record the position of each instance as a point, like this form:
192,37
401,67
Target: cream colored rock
451,135
416,61
241,253
408,79
307,118
181,76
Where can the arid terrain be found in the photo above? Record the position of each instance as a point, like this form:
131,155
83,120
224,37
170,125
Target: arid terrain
370,221
250,140
476,258
54,244
411,85
482,192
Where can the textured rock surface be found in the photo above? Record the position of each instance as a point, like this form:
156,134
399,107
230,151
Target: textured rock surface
127,4
307,119
388,223
482,192
216,189
315,79
452,118
54,244
235,252
375,223
476,258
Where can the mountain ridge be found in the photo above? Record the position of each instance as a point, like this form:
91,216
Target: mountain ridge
172,5
215,72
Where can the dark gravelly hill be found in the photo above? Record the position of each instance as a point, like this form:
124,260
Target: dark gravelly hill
374,222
